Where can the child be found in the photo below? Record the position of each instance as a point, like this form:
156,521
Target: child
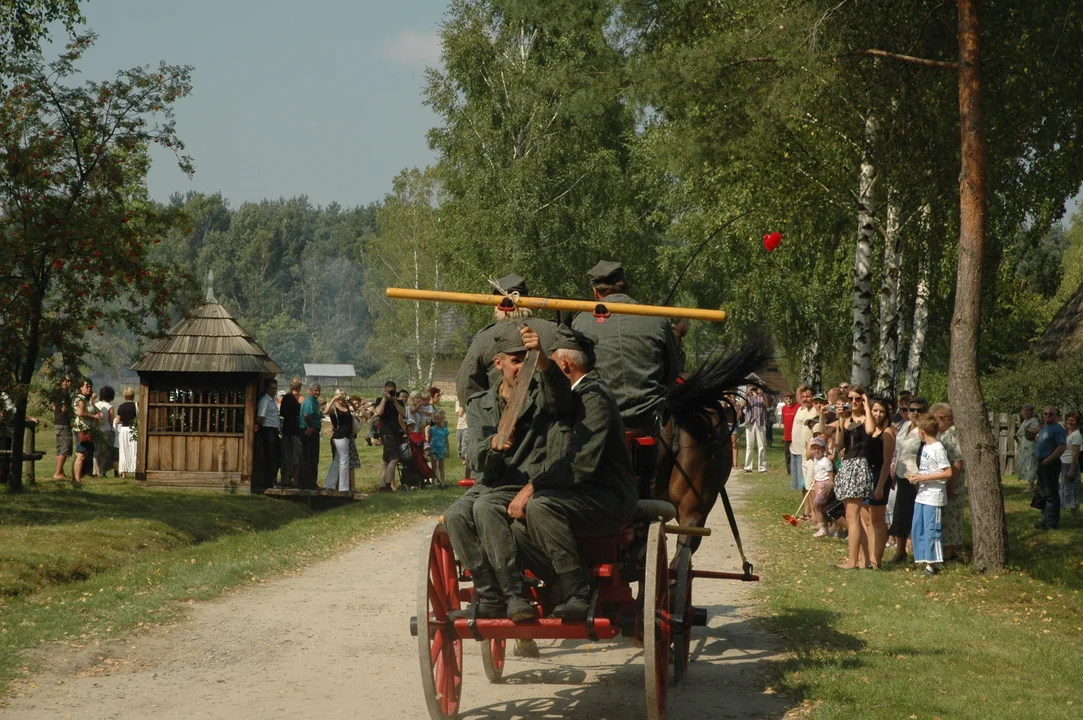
824,473
931,480
438,434
414,412
427,410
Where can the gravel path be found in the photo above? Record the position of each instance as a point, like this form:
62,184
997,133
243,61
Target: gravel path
333,642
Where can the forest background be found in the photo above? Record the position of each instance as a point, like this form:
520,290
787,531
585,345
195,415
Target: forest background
665,136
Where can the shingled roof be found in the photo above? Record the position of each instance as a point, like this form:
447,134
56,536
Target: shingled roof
208,340
1065,333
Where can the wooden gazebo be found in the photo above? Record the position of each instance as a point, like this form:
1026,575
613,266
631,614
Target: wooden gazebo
198,389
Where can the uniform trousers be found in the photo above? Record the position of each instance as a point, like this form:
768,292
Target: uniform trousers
556,519
480,528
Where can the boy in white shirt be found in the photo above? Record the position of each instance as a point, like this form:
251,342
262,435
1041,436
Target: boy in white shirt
931,479
823,471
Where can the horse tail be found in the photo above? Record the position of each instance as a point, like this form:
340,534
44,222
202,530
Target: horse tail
695,402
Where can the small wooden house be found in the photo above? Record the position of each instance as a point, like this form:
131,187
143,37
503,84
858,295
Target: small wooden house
198,390
329,376
1064,336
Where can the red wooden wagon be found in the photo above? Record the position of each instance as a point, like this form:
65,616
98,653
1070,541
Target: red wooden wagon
660,614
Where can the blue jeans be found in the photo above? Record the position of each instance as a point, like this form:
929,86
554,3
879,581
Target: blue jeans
797,479
925,534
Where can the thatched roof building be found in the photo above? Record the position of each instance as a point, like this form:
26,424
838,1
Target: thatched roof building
1065,333
208,340
198,389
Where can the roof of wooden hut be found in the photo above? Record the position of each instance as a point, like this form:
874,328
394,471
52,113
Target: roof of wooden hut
1065,333
208,340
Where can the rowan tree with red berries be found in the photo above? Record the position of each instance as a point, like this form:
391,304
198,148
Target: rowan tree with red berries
76,224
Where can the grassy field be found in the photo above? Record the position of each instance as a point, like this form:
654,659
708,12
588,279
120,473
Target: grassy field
76,566
895,644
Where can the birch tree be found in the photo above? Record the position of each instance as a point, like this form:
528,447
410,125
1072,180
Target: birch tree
888,355
861,363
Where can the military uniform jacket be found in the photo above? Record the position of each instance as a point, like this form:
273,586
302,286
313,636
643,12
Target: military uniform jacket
477,374
526,458
637,357
586,448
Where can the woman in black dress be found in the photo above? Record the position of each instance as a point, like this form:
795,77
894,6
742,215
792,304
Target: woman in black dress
879,449
854,480
906,462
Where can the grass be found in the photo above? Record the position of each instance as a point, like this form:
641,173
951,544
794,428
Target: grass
895,644
78,566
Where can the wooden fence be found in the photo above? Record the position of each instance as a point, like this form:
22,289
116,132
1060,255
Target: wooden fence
1004,426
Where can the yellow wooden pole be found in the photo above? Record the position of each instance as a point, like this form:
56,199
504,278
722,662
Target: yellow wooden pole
540,303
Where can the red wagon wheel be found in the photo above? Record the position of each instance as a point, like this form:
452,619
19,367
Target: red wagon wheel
656,623
492,659
439,648
680,603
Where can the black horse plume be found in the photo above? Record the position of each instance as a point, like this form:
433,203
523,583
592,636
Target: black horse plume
696,402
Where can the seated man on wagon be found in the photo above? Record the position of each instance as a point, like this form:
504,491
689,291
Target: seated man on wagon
587,486
478,522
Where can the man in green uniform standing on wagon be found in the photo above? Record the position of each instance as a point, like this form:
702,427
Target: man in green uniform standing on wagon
638,357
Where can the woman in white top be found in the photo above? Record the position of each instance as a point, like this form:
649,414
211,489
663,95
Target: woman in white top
1069,465
1026,465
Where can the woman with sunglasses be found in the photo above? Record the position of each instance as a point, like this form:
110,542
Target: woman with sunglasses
881,449
907,459
860,441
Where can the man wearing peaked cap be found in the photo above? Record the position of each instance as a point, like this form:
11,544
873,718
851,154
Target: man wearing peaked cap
478,522
637,356
587,485
476,372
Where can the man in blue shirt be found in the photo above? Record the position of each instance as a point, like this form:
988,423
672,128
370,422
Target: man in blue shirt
1048,447
310,423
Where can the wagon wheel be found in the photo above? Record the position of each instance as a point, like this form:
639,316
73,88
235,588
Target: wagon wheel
680,603
439,648
656,623
492,659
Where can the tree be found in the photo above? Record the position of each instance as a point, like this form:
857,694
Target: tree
75,223
533,143
980,450
409,337
25,23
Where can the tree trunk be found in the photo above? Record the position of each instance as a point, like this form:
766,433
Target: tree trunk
417,316
435,331
812,366
861,366
980,452
921,327
888,360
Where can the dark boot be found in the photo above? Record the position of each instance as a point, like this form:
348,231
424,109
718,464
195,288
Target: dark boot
575,591
489,596
511,583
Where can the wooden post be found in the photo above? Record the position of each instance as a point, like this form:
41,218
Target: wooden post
1012,456
142,412
248,446
29,451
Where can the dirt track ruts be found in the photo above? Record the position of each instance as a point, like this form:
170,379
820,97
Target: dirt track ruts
333,642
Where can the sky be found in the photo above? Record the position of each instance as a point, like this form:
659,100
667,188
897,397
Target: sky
319,98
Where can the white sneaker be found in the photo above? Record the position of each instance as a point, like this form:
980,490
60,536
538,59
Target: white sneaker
820,533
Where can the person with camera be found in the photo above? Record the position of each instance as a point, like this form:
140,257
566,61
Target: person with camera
340,476
392,430
860,442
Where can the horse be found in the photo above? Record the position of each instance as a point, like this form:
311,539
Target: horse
696,457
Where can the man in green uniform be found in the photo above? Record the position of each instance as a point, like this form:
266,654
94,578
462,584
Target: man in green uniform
478,522
476,373
587,486
637,357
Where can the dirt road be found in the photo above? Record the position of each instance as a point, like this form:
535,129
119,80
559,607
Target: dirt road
333,642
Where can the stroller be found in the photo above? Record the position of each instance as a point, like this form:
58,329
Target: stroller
414,469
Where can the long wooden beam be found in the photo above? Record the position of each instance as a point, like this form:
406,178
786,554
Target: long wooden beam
541,303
